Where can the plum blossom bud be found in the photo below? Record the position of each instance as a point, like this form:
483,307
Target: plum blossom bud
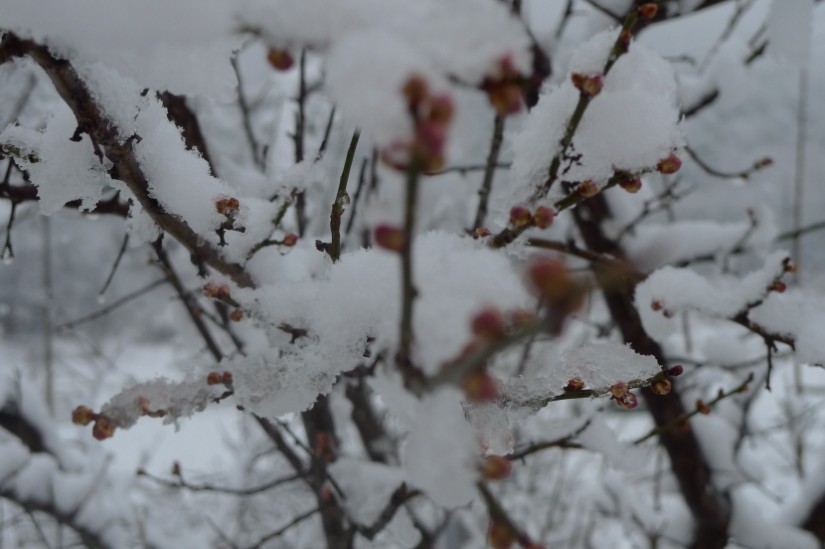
587,188
676,371
496,468
702,408
83,415
589,85
661,387
631,185
214,378
574,385
104,428
489,325
520,217
216,290
480,387
389,237
648,10
669,165
543,217
481,232
289,240
415,90
280,59
441,109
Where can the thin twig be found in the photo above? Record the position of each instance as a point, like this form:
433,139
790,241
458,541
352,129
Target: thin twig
113,270
280,531
337,209
179,482
489,171
113,305
408,291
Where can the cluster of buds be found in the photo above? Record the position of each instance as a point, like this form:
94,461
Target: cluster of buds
217,290
669,165
620,392
229,207
431,115
220,292
521,218
504,90
495,468
280,59
218,378
589,85
103,427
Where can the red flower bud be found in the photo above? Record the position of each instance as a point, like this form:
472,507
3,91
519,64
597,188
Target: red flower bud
226,378
104,428
661,387
480,387
669,165
648,10
389,237
702,408
520,217
587,189
778,286
481,232
574,385
543,217
676,370
496,467
289,240
505,97
441,109
415,89
280,59
216,290
214,378
236,315
83,415
588,85
489,325
631,185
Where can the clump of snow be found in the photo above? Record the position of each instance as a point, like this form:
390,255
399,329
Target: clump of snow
599,437
651,246
144,41
798,315
62,170
176,399
602,364
440,453
671,290
630,126
790,26
368,486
